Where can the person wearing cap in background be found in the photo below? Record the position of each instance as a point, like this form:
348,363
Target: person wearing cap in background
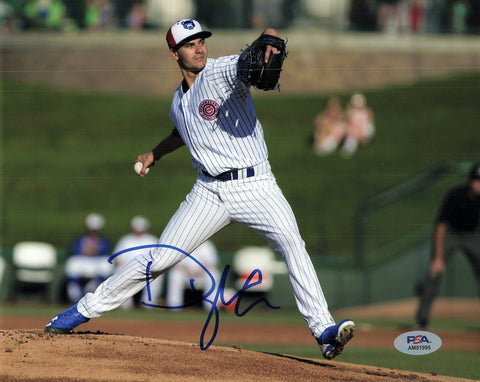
139,235
88,263
188,269
457,228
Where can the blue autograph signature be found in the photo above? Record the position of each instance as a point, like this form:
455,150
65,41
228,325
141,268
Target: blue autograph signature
213,296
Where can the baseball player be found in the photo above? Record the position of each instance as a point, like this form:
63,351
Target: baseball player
214,116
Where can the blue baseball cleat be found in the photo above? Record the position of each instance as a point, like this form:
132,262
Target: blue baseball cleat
335,337
66,321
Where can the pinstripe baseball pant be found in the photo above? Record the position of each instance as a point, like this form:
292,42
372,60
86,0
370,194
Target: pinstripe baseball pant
256,202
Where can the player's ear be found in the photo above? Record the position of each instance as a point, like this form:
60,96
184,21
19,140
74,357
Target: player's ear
174,54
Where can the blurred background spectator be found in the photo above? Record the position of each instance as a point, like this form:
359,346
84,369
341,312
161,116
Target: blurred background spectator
136,16
88,263
389,16
8,17
415,16
330,128
267,13
459,16
45,14
99,14
360,125
139,235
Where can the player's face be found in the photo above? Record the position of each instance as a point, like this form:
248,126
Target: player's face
192,55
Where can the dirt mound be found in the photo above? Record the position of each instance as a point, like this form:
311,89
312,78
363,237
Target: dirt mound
235,333
112,349
31,355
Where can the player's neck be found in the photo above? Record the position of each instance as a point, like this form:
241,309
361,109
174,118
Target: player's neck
188,79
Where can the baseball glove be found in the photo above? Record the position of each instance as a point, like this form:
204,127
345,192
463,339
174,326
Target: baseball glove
252,68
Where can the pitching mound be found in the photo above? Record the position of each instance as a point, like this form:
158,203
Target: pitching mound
31,355
152,351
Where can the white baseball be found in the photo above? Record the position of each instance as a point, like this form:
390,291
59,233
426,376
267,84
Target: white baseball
137,167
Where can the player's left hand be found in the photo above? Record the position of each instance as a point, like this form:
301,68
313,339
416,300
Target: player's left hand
261,63
271,49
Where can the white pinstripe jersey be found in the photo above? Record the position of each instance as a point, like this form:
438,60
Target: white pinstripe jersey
217,121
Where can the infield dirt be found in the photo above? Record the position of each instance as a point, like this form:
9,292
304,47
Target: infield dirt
130,350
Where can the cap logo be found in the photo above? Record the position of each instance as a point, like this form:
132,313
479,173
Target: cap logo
188,24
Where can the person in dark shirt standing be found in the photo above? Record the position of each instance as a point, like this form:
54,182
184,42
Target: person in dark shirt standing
457,227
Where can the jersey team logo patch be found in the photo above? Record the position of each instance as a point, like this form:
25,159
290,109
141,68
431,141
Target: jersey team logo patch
209,109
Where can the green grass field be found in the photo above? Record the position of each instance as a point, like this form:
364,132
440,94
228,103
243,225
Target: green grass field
66,153
460,364
450,363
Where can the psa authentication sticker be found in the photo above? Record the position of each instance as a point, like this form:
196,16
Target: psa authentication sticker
209,109
417,342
